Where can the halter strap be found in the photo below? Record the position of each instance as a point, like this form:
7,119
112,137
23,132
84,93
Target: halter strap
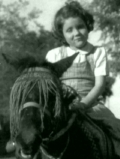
37,69
29,104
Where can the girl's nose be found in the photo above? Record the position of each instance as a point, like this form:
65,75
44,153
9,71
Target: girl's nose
76,32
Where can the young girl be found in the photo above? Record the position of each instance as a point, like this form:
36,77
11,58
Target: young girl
87,75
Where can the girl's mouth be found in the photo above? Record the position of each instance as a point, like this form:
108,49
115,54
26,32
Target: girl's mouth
78,38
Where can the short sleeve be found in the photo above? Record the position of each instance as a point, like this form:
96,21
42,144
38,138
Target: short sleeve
101,62
53,55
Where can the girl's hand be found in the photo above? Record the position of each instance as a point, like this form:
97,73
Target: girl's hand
77,105
68,92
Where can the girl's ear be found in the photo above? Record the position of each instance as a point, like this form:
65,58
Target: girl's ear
61,66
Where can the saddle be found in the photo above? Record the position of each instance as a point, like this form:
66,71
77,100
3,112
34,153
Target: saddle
97,136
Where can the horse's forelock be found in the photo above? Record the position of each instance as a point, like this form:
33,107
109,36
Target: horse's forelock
46,83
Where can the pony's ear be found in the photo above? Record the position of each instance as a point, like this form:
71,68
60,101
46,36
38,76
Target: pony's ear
61,66
23,61
10,60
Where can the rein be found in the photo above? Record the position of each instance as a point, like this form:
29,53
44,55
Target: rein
50,139
56,136
50,156
61,132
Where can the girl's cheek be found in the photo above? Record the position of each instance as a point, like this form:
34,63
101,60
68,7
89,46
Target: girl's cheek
84,31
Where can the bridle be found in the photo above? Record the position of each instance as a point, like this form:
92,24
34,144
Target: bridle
29,104
50,138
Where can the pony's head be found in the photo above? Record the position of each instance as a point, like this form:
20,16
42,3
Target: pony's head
37,110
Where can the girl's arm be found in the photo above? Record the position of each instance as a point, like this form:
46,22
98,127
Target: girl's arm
96,91
100,72
87,101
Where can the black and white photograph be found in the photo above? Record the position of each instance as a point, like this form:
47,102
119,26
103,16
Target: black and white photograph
59,79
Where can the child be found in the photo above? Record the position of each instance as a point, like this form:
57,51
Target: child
87,75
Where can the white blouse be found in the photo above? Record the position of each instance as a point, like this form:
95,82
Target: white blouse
99,58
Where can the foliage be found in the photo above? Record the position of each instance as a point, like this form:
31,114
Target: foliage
107,17
16,39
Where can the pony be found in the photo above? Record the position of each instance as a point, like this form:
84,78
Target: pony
41,124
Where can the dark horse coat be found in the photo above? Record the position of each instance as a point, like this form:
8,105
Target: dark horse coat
42,126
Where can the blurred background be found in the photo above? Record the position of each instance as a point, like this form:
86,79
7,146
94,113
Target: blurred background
26,27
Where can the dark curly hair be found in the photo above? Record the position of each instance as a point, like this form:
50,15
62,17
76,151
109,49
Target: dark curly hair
72,9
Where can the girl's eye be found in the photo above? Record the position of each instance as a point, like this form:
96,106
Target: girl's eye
69,30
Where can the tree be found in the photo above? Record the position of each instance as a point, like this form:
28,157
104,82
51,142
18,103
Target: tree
12,27
107,17
16,39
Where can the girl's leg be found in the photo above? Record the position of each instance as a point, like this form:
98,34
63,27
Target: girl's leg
110,122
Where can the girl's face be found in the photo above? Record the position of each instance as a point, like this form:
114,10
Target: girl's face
75,32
